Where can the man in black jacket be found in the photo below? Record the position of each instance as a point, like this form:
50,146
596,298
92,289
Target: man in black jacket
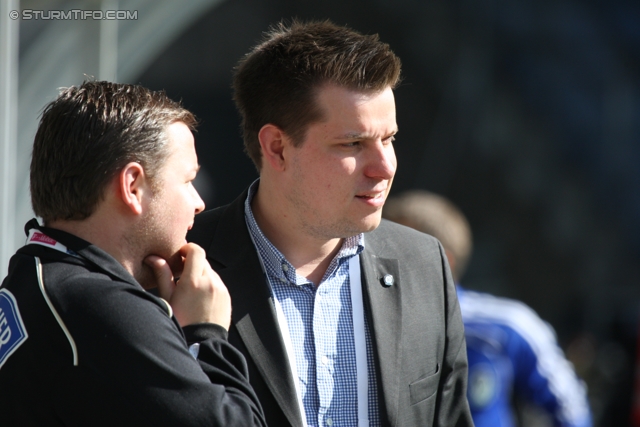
81,340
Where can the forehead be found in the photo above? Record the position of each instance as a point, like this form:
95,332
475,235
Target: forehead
181,145
179,136
371,111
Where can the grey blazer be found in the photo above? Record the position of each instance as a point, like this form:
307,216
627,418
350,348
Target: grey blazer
420,353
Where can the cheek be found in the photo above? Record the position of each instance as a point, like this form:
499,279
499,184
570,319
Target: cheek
340,177
325,179
334,167
177,205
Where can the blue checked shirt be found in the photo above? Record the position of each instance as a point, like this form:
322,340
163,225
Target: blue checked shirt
320,324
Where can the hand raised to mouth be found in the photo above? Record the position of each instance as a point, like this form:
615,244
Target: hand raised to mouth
199,295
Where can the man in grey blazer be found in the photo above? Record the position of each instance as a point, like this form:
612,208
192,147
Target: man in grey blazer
344,320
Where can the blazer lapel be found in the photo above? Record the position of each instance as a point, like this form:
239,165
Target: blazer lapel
253,312
385,307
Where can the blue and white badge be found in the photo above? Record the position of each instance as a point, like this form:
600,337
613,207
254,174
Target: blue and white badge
12,331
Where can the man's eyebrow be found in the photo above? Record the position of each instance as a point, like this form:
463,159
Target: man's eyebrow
362,135
353,135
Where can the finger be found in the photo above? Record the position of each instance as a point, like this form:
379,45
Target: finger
164,277
194,261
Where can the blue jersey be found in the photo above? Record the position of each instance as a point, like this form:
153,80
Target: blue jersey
511,350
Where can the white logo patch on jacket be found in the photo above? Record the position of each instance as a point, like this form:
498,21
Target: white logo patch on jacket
12,331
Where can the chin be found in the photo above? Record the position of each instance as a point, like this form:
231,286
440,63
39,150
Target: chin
370,227
363,226
371,222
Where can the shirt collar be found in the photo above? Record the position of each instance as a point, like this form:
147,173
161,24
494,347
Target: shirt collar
87,252
274,261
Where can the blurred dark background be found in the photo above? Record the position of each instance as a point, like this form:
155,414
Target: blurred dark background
524,113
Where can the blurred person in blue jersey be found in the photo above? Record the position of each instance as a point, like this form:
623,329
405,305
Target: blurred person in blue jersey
511,351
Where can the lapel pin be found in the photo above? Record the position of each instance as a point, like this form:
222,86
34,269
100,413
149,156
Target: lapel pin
388,280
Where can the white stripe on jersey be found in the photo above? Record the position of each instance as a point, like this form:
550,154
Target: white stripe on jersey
74,349
485,308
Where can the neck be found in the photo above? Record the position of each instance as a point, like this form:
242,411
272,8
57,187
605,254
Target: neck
105,234
310,255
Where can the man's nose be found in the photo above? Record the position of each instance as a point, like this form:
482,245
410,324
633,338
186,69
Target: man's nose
199,202
382,163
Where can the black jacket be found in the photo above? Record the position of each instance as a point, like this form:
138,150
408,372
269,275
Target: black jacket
101,351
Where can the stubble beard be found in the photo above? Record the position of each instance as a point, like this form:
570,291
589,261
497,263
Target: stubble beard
148,238
314,225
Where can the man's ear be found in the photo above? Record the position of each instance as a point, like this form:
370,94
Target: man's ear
273,141
132,183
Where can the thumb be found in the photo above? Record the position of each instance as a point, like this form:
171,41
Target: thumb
163,274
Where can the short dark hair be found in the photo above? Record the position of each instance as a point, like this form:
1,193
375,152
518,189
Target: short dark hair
87,135
277,81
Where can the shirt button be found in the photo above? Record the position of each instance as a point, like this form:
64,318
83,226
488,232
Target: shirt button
325,360
285,267
329,422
